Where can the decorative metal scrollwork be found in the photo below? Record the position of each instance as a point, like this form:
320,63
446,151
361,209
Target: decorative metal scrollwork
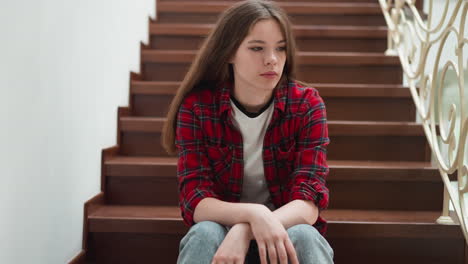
412,38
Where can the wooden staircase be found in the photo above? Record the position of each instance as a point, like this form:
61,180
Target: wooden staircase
384,194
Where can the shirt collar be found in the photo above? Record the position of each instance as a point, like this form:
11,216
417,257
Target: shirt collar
280,97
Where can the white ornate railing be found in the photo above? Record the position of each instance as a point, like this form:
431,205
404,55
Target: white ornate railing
412,38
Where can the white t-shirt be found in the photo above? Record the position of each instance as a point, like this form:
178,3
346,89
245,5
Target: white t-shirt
254,186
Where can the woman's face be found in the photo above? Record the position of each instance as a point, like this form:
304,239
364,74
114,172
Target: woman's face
262,51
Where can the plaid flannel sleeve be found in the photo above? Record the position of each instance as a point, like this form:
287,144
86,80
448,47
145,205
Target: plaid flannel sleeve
307,181
193,169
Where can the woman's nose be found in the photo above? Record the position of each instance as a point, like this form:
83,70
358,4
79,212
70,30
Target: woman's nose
271,58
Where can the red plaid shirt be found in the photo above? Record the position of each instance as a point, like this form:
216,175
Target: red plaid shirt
210,149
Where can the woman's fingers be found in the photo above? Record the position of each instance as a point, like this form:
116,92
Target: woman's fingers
272,256
281,251
291,251
262,252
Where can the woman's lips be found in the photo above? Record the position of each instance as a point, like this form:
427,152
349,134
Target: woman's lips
269,72
269,76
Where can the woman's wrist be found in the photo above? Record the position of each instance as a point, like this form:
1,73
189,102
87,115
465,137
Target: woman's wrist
254,211
245,229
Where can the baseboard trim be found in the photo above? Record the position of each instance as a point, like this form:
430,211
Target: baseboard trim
78,259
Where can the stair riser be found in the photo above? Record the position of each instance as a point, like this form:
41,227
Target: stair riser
397,250
313,19
380,148
364,74
352,109
370,109
124,248
389,148
152,248
386,195
303,44
142,190
350,74
362,195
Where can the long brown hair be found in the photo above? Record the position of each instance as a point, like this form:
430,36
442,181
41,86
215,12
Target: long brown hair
211,62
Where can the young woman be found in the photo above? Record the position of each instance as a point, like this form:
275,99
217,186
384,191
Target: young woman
251,142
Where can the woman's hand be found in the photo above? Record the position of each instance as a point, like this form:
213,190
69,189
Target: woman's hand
271,237
235,245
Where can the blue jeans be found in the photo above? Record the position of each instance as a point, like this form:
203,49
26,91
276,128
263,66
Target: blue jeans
200,244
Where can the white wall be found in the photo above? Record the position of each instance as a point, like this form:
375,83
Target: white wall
64,70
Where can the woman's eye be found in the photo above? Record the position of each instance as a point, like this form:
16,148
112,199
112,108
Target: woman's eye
260,48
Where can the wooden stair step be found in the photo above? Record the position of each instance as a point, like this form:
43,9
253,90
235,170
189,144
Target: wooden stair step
347,170
152,219
141,166
418,3
351,140
326,90
352,184
335,31
369,128
152,234
324,38
313,67
350,103
299,12
304,57
335,128
291,8
362,90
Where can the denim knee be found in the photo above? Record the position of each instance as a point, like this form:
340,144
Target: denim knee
310,245
201,242
303,233
207,232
